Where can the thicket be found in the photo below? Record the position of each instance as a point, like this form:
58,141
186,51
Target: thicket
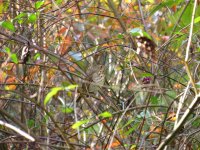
99,74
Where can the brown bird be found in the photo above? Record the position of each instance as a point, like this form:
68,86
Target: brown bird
96,77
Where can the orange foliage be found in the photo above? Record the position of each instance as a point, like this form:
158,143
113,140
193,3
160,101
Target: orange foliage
103,121
2,54
11,80
2,76
10,87
115,144
66,43
156,131
172,117
174,8
50,74
8,68
34,70
62,31
177,86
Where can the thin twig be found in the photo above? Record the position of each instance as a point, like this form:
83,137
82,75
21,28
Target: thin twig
180,123
24,134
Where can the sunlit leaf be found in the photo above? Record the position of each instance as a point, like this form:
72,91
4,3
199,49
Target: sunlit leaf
172,117
67,110
36,56
14,58
132,129
10,87
150,1
197,19
38,4
32,18
136,32
133,147
120,36
115,144
146,75
105,114
53,92
21,17
7,50
58,2
79,123
139,32
8,25
71,87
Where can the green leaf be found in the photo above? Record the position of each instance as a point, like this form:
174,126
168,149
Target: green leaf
67,110
120,36
58,2
38,4
146,75
7,49
133,128
186,17
139,32
14,58
65,83
53,92
30,123
8,25
32,18
145,34
53,58
105,114
167,3
154,100
129,122
134,146
21,17
197,19
36,56
196,122
79,123
4,6
71,87
136,32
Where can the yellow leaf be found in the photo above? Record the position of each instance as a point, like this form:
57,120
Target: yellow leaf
150,1
10,87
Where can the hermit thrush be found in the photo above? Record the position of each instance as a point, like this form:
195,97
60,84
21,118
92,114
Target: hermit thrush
96,77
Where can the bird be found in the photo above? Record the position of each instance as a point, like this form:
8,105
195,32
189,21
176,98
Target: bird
95,77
